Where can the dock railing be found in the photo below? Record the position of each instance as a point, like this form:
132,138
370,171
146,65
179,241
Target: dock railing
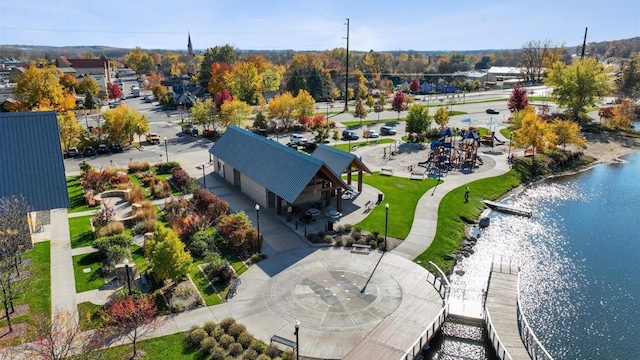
501,350
535,349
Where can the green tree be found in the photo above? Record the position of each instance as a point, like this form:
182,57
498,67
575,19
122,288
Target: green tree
202,112
123,122
628,77
370,101
271,79
139,61
88,84
579,85
226,54
418,119
244,83
442,116
169,260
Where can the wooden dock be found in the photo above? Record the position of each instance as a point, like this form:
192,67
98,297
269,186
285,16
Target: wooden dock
501,312
507,209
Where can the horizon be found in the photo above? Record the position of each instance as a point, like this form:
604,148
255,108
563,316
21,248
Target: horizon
316,26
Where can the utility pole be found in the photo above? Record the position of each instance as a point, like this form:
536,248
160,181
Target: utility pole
346,79
584,43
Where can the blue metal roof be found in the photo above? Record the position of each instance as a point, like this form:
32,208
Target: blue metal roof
278,168
31,163
337,160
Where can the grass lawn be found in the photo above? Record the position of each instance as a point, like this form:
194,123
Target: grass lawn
137,253
209,295
506,133
92,280
345,147
76,196
170,347
174,190
542,98
80,230
89,316
453,213
38,290
456,112
402,195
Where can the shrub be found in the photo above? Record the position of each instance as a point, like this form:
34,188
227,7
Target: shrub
217,209
139,228
245,339
120,178
257,345
256,258
226,340
198,249
263,357
347,228
249,354
105,245
217,353
235,330
288,355
272,351
137,194
226,323
356,236
166,167
94,180
177,306
191,186
104,215
210,327
373,244
208,344
180,177
195,337
85,166
112,228
328,239
348,242
235,349
89,198
339,229
135,166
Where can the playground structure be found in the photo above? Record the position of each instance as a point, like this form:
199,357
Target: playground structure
491,140
444,155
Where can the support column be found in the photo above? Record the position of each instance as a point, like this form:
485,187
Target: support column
339,200
279,205
359,181
349,175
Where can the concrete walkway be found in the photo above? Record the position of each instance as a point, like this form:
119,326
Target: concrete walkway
63,283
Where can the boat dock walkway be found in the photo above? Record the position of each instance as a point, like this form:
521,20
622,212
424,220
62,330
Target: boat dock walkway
501,312
508,209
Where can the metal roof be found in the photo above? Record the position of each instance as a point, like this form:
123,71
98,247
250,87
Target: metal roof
278,168
337,160
31,159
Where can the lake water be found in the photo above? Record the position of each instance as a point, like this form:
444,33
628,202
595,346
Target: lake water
578,254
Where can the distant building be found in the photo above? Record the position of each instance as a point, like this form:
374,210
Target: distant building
190,46
98,69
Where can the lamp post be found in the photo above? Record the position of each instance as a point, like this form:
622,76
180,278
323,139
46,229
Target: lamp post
139,143
204,176
166,149
297,341
386,224
509,153
126,267
257,207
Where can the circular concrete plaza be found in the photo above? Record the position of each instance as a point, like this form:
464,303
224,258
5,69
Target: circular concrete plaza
338,295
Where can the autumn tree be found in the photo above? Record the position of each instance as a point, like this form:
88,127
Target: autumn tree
217,77
360,111
69,128
399,102
370,101
532,57
139,61
244,82
282,107
303,105
305,72
418,119
132,316
169,260
153,79
226,54
532,133
579,85
628,77
221,98
441,116
234,112
271,78
15,239
69,83
114,91
563,132
38,87
122,122
623,115
414,85
518,99
202,112
60,336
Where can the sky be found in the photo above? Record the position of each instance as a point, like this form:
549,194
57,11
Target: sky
316,25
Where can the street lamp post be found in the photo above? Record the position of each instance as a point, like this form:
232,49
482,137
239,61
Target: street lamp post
166,149
386,224
509,153
126,267
297,340
257,207
204,176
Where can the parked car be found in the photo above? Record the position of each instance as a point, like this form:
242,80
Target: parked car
73,152
114,105
298,139
349,135
493,111
387,130
153,138
89,151
103,149
116,148
371,134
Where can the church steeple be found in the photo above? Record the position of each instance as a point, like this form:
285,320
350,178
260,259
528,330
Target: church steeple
189,46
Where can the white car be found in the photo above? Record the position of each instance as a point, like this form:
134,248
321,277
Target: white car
298,139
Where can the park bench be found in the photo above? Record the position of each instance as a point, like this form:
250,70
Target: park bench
386,171
417,175
233,288
368,206
283,341
361,247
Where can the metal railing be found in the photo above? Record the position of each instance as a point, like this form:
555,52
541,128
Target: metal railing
426,335
535,349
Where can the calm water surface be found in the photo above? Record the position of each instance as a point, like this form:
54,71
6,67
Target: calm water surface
579,261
